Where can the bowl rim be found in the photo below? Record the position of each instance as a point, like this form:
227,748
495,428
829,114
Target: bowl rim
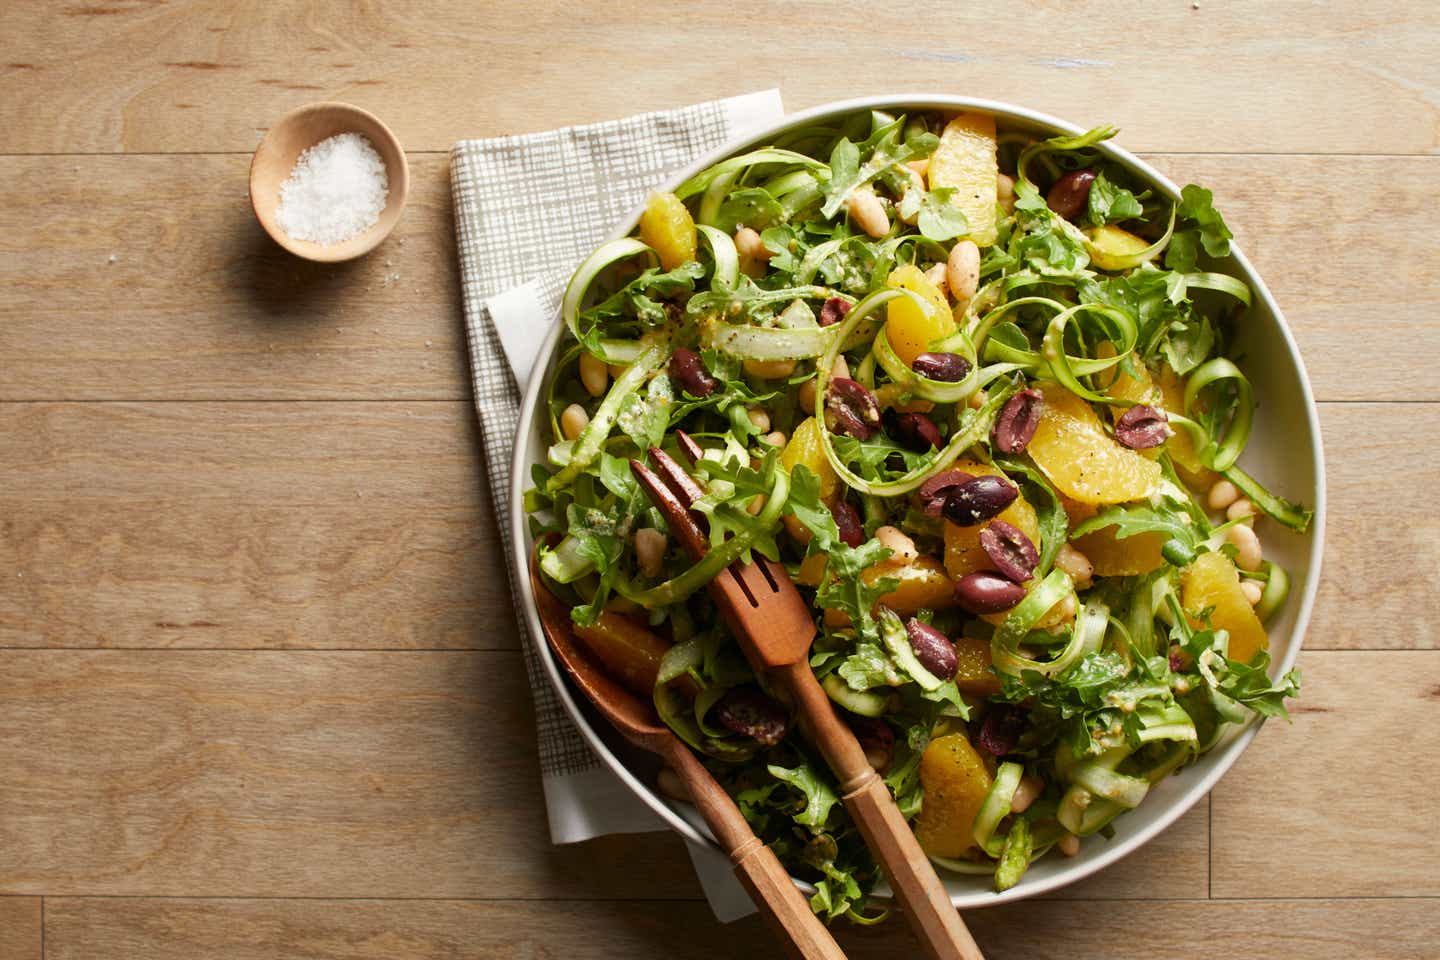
399,187
1221,757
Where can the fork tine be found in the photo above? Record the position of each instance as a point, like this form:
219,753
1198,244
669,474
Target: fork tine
689,447
675,477
677,515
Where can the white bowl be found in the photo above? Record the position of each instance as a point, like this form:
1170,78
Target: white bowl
1284,453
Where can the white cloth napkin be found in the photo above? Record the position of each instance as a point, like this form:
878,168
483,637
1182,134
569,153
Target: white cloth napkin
528,209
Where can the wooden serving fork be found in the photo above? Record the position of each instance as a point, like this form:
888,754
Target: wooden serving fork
774,627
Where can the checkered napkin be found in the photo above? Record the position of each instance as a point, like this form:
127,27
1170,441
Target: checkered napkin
528,209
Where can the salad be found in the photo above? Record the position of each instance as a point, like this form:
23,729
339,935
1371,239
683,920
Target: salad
971,389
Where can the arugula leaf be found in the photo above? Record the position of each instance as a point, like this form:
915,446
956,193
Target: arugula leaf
1189,343
805,505
1204,229
935,215
844,588
1043,243
819,795
870,666
644,417
1170,519
752,207
1110,203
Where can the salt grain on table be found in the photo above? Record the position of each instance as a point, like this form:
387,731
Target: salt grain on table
335,192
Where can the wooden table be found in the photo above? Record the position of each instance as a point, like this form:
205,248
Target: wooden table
260,695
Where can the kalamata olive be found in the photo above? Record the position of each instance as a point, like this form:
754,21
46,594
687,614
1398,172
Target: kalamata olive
945,367
833,311
748,712
876,738
1015,426
1071,193
1142,427
688,370
986,592
932,492
933,649
978,499
1010,550
847,521
914,430
851,409
1001,729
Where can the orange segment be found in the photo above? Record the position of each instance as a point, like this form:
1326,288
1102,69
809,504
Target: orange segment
804,447
629,651
1213,581
909,329
666,225
1112,557
955,782
1073,450
965,161
974,675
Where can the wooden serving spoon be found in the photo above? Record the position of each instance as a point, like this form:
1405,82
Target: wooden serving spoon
756,866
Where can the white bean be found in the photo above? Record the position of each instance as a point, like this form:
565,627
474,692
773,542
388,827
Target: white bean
1026,793
806,396
775,438
594,374
1242,509
962,271
1074,565
759,418
573,421
1005,192
936,275
1253,590
1069,845
650,547
1222,494
921,169
902,548
1247,547
868,213
770,369
749,244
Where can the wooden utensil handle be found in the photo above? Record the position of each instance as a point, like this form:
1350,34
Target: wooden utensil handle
918,890
756,866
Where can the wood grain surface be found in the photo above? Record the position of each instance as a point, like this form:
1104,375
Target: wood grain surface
21,928
260,695
526,930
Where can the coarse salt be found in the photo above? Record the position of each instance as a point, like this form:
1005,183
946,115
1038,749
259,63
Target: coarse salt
335,192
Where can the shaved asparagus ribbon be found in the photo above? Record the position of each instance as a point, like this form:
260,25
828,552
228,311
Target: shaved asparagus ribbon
586,447
614,251
735,165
